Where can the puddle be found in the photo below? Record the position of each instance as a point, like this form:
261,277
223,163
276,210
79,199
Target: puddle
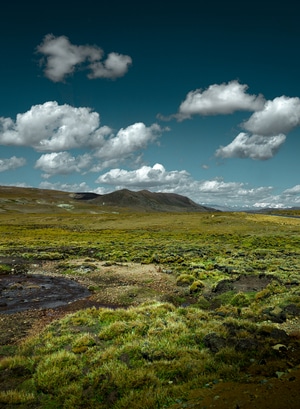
28,292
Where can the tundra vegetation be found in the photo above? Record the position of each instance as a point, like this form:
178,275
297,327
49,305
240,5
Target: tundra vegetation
235,285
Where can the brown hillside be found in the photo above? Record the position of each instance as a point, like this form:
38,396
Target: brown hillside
33,200
145,201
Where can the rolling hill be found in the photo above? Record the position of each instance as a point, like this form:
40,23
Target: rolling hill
32,200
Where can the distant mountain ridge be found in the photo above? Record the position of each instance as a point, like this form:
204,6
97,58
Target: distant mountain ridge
144,200
34,200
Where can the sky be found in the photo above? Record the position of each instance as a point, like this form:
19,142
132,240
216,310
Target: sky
197,99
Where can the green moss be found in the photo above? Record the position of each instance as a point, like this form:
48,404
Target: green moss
14,397
5,269
196,286
240,300
185,280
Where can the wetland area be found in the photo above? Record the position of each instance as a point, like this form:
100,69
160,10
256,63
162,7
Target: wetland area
156,310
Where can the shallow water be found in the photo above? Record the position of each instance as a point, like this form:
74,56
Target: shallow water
22,292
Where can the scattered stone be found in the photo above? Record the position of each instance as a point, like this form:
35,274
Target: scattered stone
167,271
292,309
279,347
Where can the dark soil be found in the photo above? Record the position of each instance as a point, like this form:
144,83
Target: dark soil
244,283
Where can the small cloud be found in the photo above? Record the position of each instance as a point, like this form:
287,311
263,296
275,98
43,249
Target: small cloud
11,163
204,166
76,187
294,191
127,140
62,58
278,116
62,163
254,147
116,65
218,99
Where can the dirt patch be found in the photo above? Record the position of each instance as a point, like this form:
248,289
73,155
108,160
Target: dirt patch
130,283
267,393
244,283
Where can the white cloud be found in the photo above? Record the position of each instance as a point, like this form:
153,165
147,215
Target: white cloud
219,99
133,138
75,187
255,147
62,58
280,115
62,163
226,194
116,65
53,127
293,191
208,192
146,176
11,163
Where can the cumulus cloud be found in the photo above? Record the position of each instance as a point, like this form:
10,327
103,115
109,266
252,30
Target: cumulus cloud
61,58
217,193
127,140
62,163
116,65
11,163
53,127
57,128
255,147
218,99
280,115
146,176
269,126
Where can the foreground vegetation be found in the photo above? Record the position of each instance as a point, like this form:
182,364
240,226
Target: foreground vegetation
210,328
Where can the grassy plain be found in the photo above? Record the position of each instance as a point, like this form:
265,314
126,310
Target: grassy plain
210,328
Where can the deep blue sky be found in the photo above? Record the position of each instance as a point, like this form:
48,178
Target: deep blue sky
193,98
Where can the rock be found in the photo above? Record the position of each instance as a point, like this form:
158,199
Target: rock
276,334
279,347
246,344
214,342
